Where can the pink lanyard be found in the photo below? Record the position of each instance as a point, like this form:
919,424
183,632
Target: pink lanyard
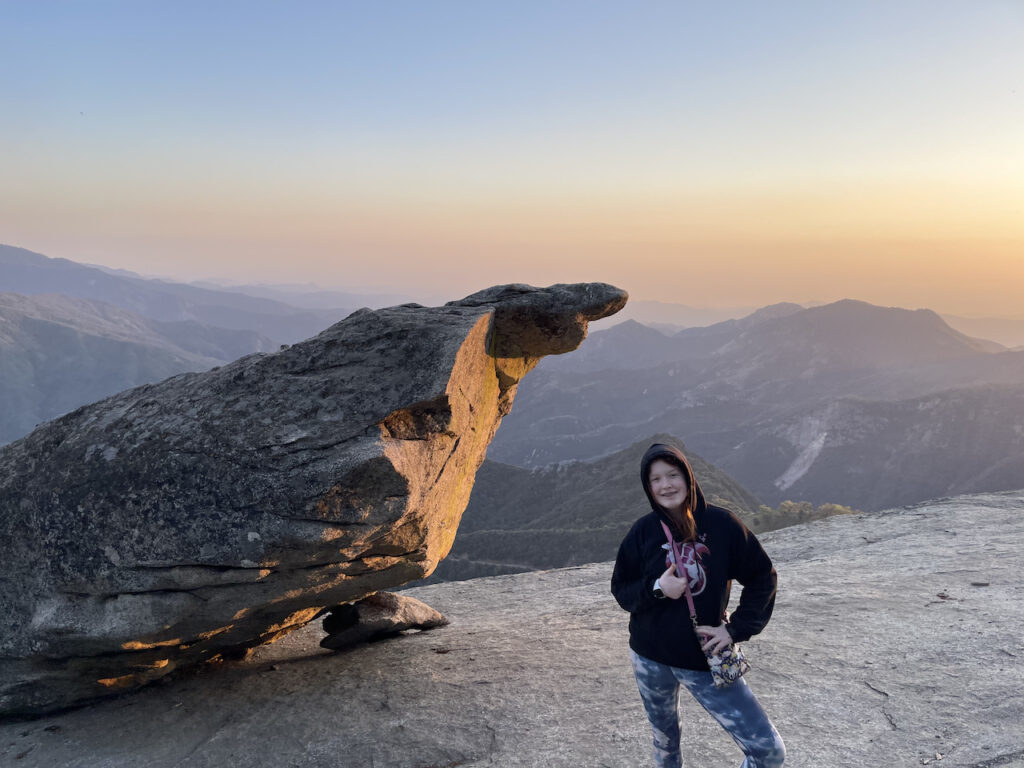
677,558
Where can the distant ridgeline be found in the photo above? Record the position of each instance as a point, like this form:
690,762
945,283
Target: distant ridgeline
573,513
71,334
872,407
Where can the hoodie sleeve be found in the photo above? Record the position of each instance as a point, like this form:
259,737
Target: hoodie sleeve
632,580
753,569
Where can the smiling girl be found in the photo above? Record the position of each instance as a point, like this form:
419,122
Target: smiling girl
665,651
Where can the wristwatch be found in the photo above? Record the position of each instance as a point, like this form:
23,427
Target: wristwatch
657,589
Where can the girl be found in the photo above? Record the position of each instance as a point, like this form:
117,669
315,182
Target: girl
665,651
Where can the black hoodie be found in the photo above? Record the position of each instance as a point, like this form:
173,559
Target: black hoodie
724,549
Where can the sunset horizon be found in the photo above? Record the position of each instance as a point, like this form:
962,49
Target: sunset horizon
696,155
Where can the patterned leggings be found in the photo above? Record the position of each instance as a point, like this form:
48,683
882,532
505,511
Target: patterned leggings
734,707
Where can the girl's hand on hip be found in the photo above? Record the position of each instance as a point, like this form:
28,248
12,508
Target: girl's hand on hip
670,584
716,639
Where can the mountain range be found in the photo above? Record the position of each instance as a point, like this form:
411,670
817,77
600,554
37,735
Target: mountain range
309,296
671,318
849,403
25,272
844,403
58,352
71,333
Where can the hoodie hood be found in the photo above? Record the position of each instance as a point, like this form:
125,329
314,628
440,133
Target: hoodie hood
672,455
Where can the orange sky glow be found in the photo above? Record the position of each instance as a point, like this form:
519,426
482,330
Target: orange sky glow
721,158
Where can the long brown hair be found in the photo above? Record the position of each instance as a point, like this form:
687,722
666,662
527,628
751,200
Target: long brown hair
683,520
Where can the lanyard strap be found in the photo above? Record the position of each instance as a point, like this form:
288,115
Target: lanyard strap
677,558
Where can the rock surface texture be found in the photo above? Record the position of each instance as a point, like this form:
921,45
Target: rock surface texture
897,637
214,512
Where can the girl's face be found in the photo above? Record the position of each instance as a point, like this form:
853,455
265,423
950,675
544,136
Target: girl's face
668,485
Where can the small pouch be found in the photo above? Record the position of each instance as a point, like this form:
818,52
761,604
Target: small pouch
727,666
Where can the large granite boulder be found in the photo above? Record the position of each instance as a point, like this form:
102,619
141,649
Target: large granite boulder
214,512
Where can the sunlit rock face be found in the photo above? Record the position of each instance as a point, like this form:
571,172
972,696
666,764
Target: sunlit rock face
213,512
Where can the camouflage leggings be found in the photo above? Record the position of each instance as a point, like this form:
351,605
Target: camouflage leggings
734,707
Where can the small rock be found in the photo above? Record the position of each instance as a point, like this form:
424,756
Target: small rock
378,616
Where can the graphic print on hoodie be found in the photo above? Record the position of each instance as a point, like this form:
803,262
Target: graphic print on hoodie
692,562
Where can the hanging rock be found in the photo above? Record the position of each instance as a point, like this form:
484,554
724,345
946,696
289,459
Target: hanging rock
213,512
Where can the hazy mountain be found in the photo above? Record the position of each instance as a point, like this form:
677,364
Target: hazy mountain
632,345
567,514
1008,331
628,345
872,454
741,393
671,317
310,296
848,335
58,352
25,272
696,343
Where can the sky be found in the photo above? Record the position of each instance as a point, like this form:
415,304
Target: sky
704,153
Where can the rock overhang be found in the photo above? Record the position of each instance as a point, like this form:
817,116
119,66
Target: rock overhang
213,512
